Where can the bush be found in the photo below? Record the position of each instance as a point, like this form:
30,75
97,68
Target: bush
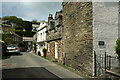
44,50
21,44
117,47
9,41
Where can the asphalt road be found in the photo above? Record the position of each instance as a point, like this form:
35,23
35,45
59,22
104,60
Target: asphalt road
30,66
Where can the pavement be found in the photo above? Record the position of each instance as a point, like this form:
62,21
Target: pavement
28,66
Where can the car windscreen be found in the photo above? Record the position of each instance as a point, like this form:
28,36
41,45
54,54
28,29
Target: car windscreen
12,46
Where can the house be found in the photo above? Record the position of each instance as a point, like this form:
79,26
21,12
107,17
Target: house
106,27
28,42
41,37
35,43
6,25
34,27
106,31
54,36
7,29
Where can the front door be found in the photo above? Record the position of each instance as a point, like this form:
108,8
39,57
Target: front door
56,49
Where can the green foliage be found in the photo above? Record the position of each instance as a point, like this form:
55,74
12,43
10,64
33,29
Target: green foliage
44,50
117,47
25,33
21,44
8,38
29,33
18,27
35,22
9,41
19,32
4,36
27,25
13,19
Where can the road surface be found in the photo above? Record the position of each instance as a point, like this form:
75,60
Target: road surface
29,65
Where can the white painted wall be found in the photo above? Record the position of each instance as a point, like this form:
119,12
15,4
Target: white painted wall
41,37
41,34
105,26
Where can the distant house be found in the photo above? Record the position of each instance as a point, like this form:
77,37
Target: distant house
35,43
7,29
6,25
34,27
54,36
41,37
28,42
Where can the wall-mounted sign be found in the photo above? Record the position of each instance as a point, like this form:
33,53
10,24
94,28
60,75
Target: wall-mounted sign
101,43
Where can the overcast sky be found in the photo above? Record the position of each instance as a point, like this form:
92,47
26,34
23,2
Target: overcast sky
30,10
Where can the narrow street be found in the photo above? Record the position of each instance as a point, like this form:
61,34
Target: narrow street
29,65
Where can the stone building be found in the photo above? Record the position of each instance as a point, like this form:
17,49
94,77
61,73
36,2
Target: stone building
54,36
105,30
89,27
78,36
105,33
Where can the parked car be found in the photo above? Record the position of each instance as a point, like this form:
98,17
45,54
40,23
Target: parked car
13,48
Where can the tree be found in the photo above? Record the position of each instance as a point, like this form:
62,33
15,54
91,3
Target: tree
18,27
19,32
27,25
35,21
9,41
21,25
13,19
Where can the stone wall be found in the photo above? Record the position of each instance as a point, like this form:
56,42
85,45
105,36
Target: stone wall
78,36
51,54
59,51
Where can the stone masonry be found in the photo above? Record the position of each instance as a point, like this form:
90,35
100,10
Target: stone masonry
54,36
52,49
78,36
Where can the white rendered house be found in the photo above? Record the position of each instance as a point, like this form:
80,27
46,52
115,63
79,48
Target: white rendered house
41,37
105,29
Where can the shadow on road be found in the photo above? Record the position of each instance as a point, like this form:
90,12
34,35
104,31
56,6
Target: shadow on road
8,55
31,73
5,56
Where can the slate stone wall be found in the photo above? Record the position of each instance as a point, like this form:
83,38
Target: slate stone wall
78,36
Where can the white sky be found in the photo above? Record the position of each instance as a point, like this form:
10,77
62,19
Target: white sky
30,10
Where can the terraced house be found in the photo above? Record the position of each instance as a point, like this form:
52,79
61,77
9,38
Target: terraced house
54,36
41,37
82,34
